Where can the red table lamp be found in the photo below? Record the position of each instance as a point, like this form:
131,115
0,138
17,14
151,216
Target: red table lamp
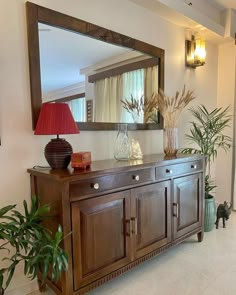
56,118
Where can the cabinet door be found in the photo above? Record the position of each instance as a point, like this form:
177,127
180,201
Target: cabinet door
101,236
151,217
187,206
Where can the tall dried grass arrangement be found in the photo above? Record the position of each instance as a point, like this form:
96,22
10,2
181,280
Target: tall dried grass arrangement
171,107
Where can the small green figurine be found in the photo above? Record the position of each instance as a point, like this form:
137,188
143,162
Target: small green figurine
223,211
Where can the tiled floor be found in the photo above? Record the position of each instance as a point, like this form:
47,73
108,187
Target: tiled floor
191,268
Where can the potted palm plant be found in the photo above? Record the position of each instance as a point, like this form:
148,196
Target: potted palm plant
24,239
207,135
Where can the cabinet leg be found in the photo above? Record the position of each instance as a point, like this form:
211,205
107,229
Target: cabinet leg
200,236
42,286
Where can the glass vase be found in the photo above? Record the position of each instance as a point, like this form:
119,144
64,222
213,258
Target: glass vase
137,117
122,150
170,141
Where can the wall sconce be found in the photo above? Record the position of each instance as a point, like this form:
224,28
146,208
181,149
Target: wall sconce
195,52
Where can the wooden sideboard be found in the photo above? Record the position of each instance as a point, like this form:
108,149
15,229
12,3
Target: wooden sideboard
120,214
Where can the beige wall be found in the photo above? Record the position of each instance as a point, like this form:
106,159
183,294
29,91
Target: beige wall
20,149
226,97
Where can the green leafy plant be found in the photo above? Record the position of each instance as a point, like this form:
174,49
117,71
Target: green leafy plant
209,186
24,239
207,134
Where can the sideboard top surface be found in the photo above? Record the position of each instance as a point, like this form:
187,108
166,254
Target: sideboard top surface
102,167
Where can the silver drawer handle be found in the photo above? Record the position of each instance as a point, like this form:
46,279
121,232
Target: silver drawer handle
136,177
169,171
194,166
95,185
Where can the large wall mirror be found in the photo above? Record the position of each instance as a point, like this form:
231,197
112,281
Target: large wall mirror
92,69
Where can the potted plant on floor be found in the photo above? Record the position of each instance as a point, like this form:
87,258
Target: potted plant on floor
207,134
24,239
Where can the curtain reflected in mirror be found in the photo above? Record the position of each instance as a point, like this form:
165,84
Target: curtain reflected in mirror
78,109
109,93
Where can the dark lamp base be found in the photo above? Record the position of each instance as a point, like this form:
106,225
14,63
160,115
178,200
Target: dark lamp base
57,152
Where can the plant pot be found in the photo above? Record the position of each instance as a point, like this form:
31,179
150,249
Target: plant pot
210,212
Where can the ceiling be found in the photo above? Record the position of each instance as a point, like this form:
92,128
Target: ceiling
61,62
204,16
223,4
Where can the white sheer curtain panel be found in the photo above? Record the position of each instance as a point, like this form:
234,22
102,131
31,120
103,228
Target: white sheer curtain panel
77,107
133,85
108,93
151,81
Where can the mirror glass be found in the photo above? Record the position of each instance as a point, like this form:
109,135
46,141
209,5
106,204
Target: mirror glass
105,77
98,80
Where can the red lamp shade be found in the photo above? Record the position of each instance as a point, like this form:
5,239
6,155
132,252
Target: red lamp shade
56,118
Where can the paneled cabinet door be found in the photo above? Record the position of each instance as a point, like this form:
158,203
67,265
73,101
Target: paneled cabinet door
187,205
101,236
150,217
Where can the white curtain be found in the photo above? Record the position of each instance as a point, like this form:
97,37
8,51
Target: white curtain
108,93
142,82
151,81
133,83
77,107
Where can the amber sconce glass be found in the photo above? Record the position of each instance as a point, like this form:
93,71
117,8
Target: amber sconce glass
195,52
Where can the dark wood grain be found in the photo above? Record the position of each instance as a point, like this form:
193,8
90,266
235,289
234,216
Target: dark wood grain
151,205
36,14
69,98
109,182
99,126
177,169
104,167
127,221
34,61
100,242
188,197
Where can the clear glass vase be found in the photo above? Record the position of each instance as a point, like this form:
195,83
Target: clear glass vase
170,141
137,117
122,149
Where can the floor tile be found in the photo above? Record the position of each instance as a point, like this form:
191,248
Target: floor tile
191,268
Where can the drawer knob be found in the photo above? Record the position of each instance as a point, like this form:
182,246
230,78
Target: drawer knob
136,177
169,171
95,185
194,166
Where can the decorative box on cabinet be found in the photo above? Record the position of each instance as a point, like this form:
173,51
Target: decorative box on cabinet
120,214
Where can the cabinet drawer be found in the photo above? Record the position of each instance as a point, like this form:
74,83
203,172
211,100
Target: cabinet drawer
109,182
178,169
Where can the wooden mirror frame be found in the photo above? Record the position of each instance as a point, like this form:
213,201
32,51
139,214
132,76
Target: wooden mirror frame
36,14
